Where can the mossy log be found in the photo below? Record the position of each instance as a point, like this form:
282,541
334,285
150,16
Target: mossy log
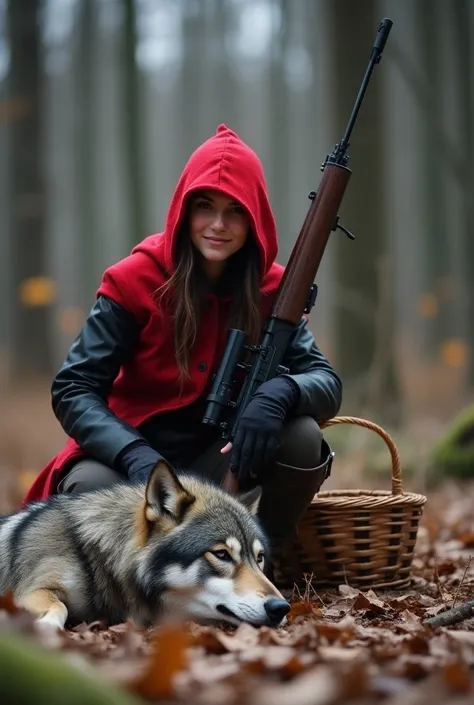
453,455
30,674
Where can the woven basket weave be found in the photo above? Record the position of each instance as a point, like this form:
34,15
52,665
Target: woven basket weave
364,538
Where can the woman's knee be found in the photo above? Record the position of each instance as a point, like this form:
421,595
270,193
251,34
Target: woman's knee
86,475
301,443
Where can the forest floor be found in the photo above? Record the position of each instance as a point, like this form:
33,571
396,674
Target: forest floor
339,646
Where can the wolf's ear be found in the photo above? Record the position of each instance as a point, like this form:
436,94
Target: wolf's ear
251,499
165,495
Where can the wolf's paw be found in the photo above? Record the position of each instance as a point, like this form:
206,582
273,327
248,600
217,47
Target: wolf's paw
50,622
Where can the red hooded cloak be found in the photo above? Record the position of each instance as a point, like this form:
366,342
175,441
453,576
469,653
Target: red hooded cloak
147,382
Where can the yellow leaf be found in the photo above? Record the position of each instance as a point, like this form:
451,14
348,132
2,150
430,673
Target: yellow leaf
454,352
37,291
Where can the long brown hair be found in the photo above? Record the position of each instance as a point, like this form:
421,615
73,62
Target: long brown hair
187,287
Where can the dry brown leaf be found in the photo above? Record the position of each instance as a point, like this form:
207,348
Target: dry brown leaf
377,635
281,659
210,670
355,682
409,622
318,686
301,609
301,635
467,539
460,635
8,604
168,657
417,644
337,610
339,653
342,632
414,666
369,602
348,592
403,602
456,678
433,611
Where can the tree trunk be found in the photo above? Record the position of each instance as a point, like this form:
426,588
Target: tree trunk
33,290
278,127
464,58
435,251
85,145
357,263
133,127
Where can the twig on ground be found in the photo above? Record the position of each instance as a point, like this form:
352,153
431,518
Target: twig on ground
457,614
461,581
308,591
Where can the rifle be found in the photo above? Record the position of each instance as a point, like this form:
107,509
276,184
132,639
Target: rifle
297,291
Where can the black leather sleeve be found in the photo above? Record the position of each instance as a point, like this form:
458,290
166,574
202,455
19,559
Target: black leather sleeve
80,389
320,386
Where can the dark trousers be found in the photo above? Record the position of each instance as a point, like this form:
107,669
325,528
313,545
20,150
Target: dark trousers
301,464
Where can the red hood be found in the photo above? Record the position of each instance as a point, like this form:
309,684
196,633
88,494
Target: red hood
223,162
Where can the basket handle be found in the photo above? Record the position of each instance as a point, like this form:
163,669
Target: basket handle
397,487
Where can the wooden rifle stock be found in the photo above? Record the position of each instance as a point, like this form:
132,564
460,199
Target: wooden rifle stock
308,252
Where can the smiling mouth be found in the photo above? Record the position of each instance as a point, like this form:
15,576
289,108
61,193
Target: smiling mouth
216,240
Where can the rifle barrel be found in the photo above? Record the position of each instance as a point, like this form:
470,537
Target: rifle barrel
375,56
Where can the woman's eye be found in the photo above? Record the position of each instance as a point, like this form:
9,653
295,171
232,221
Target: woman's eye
222,555
202,205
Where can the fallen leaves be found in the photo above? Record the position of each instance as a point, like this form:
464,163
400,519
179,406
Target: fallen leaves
168,657
339,646
456,677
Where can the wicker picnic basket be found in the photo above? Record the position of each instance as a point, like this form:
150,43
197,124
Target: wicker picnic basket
364,538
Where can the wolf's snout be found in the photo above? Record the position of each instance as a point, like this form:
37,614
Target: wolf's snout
276,608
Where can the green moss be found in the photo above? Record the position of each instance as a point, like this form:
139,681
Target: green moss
29,674
453,455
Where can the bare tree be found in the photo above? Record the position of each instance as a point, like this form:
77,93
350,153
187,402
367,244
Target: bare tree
435,250
464,60
85,146
31,296
133,126
357,264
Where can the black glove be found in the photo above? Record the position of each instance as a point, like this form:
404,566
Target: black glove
137,461
257,435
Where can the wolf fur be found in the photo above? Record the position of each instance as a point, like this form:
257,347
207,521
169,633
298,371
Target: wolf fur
136,551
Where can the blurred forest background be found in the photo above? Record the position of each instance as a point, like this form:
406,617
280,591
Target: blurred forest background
101,103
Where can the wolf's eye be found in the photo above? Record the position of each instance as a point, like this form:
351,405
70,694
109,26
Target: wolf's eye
260,557
222,555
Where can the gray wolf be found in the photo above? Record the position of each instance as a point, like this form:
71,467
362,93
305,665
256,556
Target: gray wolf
138,551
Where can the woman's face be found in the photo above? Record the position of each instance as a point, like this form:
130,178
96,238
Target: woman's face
219,227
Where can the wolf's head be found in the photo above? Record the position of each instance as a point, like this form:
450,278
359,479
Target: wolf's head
204,552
